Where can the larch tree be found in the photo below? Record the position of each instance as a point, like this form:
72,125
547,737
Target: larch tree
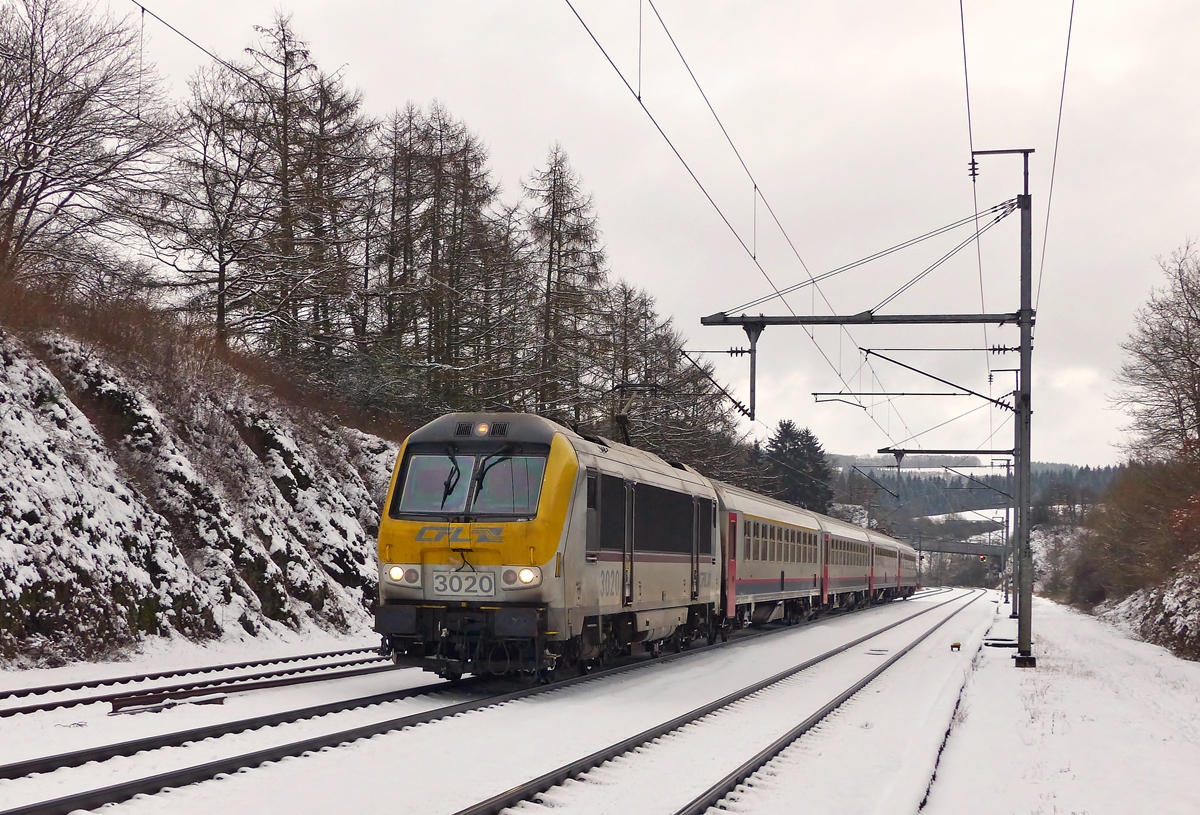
566,248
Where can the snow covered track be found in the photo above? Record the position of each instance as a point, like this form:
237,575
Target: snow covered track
93,798
130,678
698,718
157,693
78,758
713,796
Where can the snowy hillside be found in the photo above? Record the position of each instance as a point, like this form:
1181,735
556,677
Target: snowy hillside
194,504
1167,615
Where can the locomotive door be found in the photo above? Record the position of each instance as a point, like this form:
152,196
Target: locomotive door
699,526
627,567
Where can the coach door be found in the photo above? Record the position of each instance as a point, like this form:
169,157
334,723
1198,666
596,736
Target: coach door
627,570
700,525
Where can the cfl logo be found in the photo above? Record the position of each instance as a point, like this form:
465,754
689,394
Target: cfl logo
460,534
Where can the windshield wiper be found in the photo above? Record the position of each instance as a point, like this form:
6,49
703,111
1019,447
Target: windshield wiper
452,478
500,455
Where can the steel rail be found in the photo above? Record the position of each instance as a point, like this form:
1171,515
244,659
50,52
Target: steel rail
92,799
529,789
78,758
120,680
714,794
182,690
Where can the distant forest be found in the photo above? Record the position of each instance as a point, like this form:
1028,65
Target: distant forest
1063,495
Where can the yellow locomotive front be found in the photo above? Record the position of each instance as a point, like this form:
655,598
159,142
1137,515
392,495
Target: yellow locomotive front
470,544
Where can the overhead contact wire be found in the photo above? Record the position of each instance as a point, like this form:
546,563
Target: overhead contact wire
1054,161
987,360
710,199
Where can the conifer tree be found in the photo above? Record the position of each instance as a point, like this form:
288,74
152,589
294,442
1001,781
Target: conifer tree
799,462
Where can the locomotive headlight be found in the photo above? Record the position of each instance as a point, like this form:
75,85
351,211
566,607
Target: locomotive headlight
523,577
481,429
407,576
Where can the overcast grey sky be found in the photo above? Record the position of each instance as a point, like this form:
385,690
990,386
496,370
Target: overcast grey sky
852,118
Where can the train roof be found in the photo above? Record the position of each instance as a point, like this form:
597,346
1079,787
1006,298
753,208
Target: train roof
530,428
824,522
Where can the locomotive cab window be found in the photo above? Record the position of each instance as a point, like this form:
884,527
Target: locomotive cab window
479,484
435,484
508,486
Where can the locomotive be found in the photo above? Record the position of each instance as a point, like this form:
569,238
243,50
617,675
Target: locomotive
510,544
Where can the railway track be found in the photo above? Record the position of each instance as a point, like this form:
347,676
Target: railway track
707,733
130,678
90,799
292,675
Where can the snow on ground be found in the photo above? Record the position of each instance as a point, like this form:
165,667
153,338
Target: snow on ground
1104,724
996,515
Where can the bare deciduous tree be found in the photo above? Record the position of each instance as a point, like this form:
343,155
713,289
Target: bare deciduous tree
1160,382
81,119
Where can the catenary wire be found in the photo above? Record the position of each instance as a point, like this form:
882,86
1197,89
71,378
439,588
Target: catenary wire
962,19
877,255
749,251
1054,161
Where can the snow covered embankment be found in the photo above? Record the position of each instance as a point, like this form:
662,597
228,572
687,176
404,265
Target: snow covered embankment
1167,615
131,505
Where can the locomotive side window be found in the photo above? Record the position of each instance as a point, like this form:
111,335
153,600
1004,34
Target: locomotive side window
662,520
592,535
612,513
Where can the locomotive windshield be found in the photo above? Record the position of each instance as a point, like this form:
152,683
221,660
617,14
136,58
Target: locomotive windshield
436,484
509,485
492,484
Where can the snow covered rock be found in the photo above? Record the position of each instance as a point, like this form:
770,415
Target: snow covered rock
134,504
1167,615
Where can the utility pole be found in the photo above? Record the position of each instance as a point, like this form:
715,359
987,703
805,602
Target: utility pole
1008,540
1025,657
1021,407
